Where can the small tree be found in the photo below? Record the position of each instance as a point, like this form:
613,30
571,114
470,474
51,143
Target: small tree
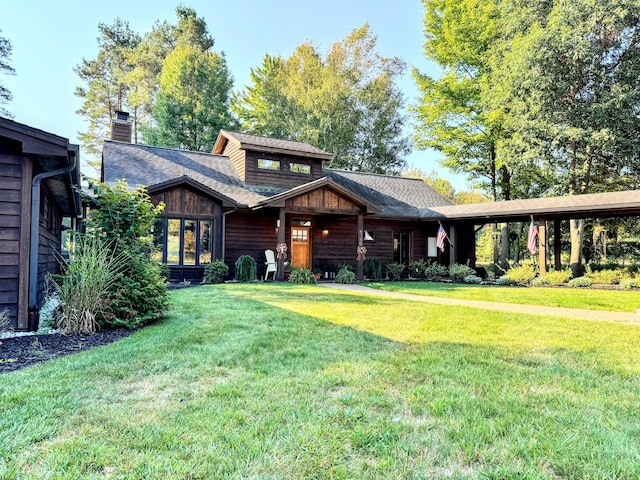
246,269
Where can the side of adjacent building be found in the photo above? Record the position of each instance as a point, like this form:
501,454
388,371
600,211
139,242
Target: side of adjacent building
38,175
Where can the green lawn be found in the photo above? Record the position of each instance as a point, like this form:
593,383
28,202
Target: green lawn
591,299
280,381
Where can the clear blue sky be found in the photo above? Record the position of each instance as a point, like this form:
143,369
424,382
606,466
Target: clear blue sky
50,38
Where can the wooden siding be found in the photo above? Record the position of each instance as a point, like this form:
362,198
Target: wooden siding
50,242
283,178
339,246
11,186
322,200
251,234
238,158
184,202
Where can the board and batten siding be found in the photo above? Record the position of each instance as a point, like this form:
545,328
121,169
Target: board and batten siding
15,207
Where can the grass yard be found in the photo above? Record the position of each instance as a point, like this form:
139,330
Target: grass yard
281,381
591,299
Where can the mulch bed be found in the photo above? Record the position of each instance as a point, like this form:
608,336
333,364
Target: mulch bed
20,352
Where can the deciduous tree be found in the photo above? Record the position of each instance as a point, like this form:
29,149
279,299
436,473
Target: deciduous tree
345,102
193,100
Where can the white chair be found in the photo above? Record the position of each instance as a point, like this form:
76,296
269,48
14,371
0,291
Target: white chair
272,265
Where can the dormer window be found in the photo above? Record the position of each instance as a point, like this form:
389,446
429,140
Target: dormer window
300,168
264,164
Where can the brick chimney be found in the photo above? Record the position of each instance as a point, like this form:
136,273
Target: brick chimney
121,127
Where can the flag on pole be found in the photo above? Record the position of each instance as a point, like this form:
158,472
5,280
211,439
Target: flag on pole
440,238
531,240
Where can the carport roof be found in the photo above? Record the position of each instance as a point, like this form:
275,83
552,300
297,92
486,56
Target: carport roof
596,205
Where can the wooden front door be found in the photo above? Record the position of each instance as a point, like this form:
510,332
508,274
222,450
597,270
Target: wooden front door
301,247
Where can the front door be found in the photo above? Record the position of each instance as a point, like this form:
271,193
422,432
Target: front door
301,247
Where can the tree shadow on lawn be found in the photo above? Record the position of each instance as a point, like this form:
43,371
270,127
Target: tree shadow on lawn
247,379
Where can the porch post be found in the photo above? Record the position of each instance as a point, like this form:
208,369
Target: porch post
453,257
557,244
360,237
542,235
281,239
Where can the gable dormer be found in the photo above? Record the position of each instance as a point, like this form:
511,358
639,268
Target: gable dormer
270,162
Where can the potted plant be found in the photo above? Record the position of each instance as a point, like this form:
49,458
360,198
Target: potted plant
287,270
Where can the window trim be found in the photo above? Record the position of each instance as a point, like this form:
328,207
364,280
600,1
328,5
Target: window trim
198,250
400,234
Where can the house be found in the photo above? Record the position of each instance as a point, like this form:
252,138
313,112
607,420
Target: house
38,175
254,193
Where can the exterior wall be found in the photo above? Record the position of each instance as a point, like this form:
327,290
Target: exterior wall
237,157
49,241
250,234
283,178
184,202
14,234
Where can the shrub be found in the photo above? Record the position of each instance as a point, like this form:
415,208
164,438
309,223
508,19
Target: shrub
139,295
540,282
417,268
124,218
302,275
345,275
606,277
628,283
522,275
246,269
84,286
503,280
473,279
215,272
558,277
372,269
435,270
458,272
581,282
395,270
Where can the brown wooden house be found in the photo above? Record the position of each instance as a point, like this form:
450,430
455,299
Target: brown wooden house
255,193
38,173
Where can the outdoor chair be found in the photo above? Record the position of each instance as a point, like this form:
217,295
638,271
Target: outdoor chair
272,265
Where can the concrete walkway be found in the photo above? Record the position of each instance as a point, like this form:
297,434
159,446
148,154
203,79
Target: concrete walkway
580,313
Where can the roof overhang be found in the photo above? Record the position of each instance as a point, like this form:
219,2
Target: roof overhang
190,182
596,205
49,152
279,200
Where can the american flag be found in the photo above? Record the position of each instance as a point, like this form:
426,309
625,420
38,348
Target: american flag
440,238
531,240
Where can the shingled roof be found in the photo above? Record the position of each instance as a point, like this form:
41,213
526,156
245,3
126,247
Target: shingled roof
571,206
396,197
145,165
266,144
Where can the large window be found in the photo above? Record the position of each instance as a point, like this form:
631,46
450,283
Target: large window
183,241
402,247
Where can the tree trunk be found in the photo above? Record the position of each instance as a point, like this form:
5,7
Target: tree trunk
577,237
